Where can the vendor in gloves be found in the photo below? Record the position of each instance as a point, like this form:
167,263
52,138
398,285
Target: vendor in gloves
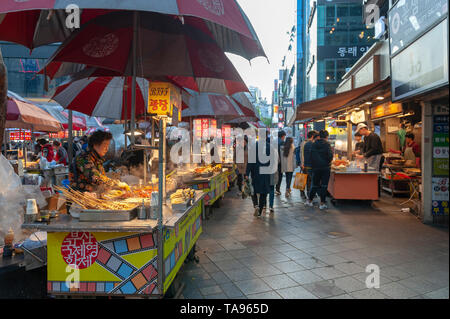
373,149
87,174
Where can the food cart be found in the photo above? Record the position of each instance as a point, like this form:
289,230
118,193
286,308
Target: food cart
109,250
348,180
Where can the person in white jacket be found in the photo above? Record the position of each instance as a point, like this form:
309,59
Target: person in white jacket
288,163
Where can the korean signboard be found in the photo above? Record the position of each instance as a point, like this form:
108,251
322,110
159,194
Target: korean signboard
385,109
162,97
338,52
205,128
423,65
410,19
20,136
440,145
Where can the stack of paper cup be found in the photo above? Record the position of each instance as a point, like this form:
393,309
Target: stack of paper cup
32,211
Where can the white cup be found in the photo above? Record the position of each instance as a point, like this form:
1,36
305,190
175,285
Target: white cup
32,207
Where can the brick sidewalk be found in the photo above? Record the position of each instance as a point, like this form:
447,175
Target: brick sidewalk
302,252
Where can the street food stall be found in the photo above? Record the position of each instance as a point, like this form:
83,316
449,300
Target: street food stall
129,242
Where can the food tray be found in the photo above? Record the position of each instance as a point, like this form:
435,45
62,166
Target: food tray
182,206
96,215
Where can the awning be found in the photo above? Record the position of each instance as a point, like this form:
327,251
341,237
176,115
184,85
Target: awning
316,108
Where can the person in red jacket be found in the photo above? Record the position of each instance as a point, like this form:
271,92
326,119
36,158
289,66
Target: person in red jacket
46,149
61,156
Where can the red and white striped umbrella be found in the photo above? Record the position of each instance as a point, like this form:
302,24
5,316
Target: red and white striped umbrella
103,96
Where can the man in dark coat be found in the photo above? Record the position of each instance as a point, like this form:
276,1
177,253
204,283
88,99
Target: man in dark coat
321,158
260,182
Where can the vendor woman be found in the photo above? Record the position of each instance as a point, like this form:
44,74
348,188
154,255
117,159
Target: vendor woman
88,174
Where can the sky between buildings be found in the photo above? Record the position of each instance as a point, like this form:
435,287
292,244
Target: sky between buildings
272,19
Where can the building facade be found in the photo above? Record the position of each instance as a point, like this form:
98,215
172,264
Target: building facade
23,67
332,36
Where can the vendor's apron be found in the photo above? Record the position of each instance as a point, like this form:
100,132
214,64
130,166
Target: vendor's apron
374,161
409,154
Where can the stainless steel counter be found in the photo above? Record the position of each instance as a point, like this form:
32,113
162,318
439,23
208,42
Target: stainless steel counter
66,223
353,173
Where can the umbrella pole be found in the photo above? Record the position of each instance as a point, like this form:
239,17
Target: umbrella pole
125,109
70,137
133,82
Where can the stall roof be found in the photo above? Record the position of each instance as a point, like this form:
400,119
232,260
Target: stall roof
334,102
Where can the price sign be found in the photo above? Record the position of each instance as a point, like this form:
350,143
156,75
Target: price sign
162,97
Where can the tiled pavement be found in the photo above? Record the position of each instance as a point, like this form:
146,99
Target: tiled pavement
302,252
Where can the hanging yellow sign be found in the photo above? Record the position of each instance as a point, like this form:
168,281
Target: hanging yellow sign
162,97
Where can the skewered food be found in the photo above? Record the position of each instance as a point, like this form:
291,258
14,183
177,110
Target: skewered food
90,202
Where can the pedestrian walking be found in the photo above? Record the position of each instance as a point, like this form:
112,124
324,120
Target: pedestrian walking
306,165
281,139
288,163
260,182
241,165
321,156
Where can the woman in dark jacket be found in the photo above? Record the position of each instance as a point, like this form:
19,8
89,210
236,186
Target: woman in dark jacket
260,182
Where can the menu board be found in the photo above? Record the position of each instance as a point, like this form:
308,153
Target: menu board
386,109
440,165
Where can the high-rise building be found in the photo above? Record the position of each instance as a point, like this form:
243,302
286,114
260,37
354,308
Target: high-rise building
331,37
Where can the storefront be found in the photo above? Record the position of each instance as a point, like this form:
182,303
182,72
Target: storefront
419,66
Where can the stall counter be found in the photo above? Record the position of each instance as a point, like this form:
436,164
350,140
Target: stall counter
120,258
354,185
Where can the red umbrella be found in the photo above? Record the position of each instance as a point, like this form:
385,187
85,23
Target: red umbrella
223,20
165,47
34,28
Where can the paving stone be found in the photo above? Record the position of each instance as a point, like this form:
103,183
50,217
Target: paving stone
304,277
220,277
324,289
332,259
279,281
284,248
192,294
229,264
242,253
265,295
344,296
438,294
215,257
328,272
275,258
289,266
211,290
217,296
296,254
419,285
295,293
349,268
397,291
231,290
265,270
349,284
252,286
253,261
394,273
202,283
210,267
368,294
240,274
310,263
